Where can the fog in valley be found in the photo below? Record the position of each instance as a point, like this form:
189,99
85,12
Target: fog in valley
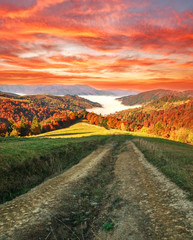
109,104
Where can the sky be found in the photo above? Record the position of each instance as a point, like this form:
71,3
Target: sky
106,44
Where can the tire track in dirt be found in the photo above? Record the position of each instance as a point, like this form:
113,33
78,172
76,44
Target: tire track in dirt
150,206
36,206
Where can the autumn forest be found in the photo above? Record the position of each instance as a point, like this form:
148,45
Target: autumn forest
170,116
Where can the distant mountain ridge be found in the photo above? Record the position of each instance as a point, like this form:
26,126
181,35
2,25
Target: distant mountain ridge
149,96
61,90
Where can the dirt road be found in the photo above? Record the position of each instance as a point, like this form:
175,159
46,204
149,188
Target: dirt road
150,206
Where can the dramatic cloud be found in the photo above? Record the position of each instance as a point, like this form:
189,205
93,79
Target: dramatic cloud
111,43
12,5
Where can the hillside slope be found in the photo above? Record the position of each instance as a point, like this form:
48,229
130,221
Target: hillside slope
146,97
67,102
171,118
44,106
111,194
165,103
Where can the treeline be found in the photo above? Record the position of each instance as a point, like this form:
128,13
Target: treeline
106,122
24,127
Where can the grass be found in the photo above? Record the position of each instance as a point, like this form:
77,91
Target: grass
174,159
16,150
108,226
82,129
26,162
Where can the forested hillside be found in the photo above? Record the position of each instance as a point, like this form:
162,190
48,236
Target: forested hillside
149,96
44,106
17,114
169,117
164,103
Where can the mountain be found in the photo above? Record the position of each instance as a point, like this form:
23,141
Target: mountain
67,102
149,96
43,106
163,104
60,90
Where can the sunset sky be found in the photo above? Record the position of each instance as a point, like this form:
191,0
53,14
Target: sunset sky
125,44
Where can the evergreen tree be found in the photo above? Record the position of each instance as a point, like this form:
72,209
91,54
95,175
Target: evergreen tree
35,126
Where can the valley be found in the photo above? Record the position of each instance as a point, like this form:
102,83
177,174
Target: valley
109,104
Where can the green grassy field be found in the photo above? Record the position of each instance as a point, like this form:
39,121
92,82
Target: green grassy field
26,162
82,129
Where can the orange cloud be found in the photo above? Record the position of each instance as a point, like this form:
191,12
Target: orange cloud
182,84
15,9
97,42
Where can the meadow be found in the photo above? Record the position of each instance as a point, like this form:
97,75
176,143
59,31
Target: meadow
27,161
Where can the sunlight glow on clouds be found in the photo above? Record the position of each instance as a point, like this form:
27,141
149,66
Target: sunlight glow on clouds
142,44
